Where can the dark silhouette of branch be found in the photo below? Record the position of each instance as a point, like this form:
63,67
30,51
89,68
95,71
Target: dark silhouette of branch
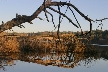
64,16
19,19
102,19
40,18
51,16
75,17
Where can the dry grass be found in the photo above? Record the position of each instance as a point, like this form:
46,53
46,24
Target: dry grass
20,44
9,44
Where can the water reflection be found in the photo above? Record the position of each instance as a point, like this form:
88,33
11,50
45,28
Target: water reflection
65,60
99,45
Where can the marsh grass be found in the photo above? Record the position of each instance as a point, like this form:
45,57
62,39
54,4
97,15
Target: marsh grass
36,44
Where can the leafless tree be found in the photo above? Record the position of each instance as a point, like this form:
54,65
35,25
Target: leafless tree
19,19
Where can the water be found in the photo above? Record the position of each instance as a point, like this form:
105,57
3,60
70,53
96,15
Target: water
21,66
99,45
55,62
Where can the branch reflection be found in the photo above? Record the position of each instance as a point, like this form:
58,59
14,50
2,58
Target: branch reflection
61,59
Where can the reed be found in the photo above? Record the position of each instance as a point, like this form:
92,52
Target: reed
40,44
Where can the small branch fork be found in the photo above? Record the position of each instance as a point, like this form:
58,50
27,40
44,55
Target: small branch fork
24,18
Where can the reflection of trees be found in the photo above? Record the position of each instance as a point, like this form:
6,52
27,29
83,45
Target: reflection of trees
67,59
7,59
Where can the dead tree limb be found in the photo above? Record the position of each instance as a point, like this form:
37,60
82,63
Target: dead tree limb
51,16
24,18
64,16
102,19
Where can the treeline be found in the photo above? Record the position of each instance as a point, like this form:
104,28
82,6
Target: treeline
45,33
99,34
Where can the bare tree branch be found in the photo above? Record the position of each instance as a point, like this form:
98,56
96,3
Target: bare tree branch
59,24
40,18
51,16
24,18
101,19
64,16
75,17
46,16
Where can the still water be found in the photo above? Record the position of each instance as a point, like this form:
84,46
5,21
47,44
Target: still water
55,62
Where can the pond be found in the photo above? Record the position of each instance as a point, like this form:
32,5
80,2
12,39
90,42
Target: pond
99,45
55,62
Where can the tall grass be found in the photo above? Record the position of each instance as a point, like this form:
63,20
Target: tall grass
36,44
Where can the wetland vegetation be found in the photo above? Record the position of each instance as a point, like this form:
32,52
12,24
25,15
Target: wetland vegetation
42,48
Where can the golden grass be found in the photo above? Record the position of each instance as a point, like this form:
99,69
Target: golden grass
18,44
9,44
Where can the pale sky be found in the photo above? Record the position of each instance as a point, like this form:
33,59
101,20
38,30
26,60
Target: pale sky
95,9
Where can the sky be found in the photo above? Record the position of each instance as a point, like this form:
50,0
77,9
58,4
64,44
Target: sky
95,9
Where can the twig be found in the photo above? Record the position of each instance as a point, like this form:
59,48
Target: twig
59,24
40,18
51,16
75,17
101,19
46,16
64,16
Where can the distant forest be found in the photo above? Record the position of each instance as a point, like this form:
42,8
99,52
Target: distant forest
98,34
